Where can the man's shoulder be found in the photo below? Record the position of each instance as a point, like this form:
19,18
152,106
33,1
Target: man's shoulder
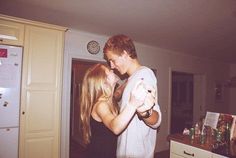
145,69
146,72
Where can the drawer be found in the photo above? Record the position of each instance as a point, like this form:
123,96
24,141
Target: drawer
172,155
218,156
188,151
11,33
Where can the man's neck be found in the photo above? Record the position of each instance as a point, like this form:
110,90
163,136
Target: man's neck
134,66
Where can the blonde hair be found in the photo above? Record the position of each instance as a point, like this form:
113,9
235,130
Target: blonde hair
93,87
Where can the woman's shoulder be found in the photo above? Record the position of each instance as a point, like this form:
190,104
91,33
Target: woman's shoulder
102,106
98,109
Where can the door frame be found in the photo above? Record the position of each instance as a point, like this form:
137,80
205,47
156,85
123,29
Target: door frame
199,94
65,107
81,67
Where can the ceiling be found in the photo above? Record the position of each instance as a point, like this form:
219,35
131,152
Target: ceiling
204,28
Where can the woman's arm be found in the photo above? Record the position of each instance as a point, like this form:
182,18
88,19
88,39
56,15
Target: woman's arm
117,123
119,91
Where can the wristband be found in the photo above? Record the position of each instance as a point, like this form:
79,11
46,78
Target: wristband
147,115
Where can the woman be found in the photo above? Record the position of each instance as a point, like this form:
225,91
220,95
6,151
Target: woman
100,120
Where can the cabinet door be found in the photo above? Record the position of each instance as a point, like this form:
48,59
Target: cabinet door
11,33
41,93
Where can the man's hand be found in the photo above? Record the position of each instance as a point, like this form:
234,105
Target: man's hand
149,102
138,94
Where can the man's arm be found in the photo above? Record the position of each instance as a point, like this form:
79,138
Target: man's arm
151,117
150,112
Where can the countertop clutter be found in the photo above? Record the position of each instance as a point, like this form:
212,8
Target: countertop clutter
210,144
211,137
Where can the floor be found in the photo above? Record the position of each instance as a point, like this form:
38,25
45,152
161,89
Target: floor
163,154
76,151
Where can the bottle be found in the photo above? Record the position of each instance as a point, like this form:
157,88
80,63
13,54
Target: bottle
227,133
203,136
197,130
191,133
218,135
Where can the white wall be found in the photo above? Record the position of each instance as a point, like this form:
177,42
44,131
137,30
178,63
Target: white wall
164,60
160,59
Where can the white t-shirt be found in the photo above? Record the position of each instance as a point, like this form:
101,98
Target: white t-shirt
138,140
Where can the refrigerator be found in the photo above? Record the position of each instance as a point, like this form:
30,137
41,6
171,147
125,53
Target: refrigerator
10,84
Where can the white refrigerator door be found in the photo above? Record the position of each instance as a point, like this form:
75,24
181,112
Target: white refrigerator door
10,77
9,143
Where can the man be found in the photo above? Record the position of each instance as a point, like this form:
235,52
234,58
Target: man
139,138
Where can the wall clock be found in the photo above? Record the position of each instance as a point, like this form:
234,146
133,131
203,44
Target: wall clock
93,47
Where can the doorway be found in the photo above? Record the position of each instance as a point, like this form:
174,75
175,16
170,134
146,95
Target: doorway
78,70
181,101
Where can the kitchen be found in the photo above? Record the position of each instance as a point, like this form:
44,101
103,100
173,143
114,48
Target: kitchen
164,61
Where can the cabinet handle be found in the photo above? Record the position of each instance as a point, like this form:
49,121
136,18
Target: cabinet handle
189,154
1,40
23,113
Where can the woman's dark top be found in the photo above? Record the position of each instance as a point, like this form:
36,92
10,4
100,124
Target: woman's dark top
103,141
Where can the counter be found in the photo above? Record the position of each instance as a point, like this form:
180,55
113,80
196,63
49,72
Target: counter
210,145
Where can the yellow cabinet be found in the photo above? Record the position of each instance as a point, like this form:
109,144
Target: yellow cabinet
11,33
41,93
40,108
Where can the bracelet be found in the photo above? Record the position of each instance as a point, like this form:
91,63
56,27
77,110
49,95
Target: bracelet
147,115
